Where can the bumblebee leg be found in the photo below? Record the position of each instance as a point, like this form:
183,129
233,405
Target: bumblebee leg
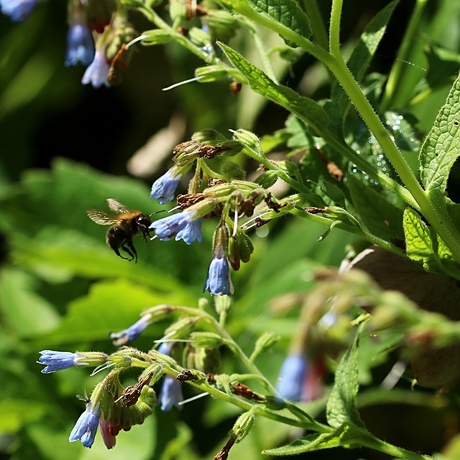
117,252
129,248
147,235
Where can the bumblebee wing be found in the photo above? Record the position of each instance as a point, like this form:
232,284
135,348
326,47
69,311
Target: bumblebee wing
116,206
100,217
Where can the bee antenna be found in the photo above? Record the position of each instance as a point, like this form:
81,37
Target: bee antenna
156,212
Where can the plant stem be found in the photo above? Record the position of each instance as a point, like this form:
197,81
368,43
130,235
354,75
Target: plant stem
316,22
393,86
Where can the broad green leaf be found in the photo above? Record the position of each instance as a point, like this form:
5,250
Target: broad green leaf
305,108
368,43
16,413
341,406
425,248
346,435
109,306
380,217
74,254
286,12
21,306
308,443
442,145
443,65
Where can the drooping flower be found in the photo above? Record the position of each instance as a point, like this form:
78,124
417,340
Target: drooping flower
86,427
218,281
132,332
59,360
183,226
108,432
80,45
164,188
98,13
291,377
97,71
171,393
17,10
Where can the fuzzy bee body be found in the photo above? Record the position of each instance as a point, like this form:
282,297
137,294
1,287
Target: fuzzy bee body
124,227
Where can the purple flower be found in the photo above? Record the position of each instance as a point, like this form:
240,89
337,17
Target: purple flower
80,45
164,187
182,226
171,391
58,360
109,432
292,374
131,333
218,281
97,71
171,394
17,10
86,427
166,348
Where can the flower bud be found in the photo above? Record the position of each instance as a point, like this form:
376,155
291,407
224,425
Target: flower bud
121,34
234,253
155,37
264,342
98,13
199,37
181,328
205,339
215,73
243,425
267,179
158,312
221,19
245,246
250,141
177,10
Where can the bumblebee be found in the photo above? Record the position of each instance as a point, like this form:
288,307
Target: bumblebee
123,228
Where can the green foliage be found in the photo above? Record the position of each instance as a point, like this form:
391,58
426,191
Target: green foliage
342,169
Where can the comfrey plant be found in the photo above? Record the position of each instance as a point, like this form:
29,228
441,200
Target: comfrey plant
345,166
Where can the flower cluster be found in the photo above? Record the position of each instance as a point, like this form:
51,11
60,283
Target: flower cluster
209,193
97,36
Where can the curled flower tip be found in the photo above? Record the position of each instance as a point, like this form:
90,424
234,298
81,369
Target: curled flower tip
219,281
97,71
292,374
86,427
164,188
80,45
132,332
109,432
182,226
58,360
171,394
17,10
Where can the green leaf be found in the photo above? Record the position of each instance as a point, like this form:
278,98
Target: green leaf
443,65
426,248
109,306
305,108
341,406
441,146
17,413
20,305
286,12
346,435
381,218
367,45
308,443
